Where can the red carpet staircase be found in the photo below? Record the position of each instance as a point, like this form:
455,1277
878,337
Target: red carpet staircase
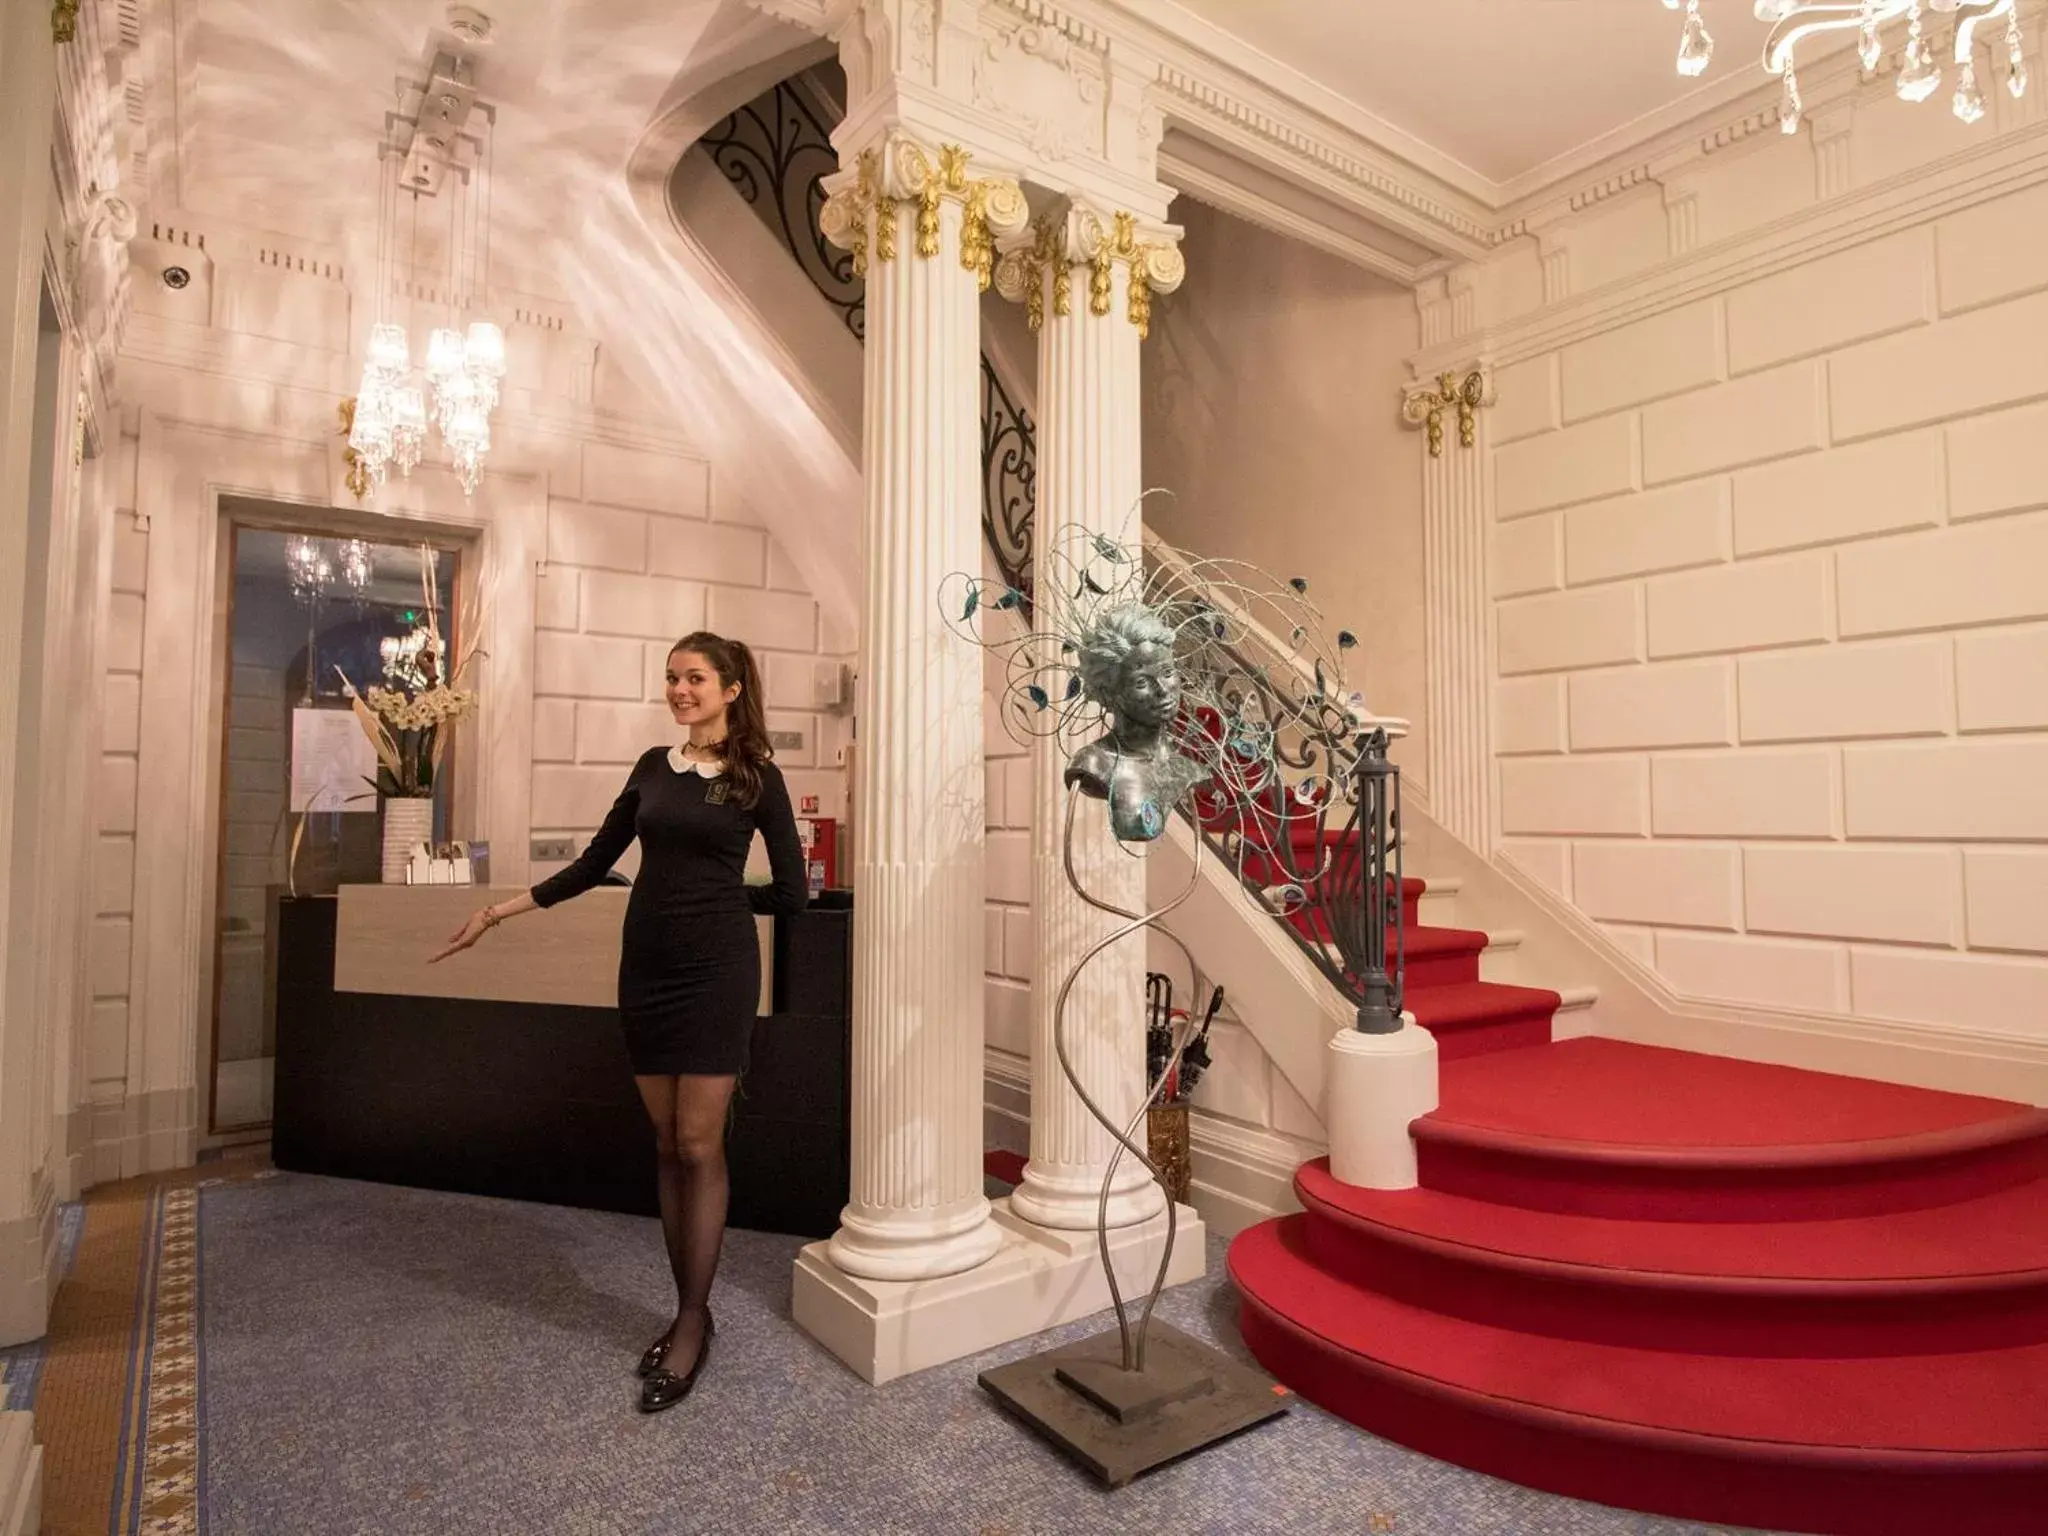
1680,1283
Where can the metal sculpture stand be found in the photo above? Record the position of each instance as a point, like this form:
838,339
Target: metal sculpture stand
1109,1402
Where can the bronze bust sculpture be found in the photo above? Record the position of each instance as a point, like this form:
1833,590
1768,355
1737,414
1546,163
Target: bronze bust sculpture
1128,668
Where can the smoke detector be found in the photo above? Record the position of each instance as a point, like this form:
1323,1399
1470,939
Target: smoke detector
469,24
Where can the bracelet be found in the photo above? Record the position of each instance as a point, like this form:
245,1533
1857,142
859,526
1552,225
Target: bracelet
491,918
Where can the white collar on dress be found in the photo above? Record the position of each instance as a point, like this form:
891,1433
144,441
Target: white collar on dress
682,764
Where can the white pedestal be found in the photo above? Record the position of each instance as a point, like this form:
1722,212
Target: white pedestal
1038,1279
1376,1087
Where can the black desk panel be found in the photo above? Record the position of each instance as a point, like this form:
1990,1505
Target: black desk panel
536,1102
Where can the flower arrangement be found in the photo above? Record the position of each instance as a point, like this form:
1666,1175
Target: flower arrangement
411,716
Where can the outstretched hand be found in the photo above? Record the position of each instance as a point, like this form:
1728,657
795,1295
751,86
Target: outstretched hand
476,926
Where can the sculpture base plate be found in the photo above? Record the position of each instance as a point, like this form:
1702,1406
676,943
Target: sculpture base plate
1119,1424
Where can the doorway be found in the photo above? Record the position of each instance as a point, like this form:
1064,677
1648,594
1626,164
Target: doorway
311,613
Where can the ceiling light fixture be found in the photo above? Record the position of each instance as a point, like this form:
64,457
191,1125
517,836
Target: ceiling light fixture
429,147
1793,21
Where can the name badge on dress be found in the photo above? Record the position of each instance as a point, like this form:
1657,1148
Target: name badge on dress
717,792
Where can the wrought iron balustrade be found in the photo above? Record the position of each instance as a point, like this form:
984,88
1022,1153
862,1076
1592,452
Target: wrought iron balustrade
1318,844
776,152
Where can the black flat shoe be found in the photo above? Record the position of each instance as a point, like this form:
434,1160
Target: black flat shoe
664,1388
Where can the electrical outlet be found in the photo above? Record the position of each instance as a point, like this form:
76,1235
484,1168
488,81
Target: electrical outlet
786,741
551,849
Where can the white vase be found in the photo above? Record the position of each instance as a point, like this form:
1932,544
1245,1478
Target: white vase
407,824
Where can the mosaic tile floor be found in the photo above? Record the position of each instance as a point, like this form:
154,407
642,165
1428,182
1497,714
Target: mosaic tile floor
381,1360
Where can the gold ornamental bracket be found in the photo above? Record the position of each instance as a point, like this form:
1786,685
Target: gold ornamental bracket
1078,235
64,22
357,477
1424,405
861,204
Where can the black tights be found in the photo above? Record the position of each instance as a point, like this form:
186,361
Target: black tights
689,1138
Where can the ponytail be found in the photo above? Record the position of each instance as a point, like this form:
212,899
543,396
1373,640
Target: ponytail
747,752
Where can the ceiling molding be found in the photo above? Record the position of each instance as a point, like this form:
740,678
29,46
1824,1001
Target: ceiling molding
1996,168
1275,132
1199,47
1214,175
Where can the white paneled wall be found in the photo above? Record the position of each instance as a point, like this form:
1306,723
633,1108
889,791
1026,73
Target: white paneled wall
1770,574
644,540
664,552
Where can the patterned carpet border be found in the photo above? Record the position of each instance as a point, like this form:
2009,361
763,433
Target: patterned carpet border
160,1478
156,1493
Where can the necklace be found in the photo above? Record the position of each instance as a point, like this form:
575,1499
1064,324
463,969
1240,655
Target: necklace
711,751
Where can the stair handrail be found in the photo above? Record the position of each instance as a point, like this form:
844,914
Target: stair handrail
1322,854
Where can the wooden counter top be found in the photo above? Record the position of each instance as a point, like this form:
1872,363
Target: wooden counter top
568,954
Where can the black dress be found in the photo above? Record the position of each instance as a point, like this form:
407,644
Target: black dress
689,960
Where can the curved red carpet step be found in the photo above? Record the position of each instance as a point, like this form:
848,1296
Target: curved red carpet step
1689,1285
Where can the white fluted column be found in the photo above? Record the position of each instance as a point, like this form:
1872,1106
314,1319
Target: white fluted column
1087,279
1456,518
921,227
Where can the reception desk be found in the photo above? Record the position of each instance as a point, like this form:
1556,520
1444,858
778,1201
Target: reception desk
501,1071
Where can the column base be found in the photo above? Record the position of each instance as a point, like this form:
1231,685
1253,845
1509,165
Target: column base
1377,1086
1069,1203
28,1266
1039,1278
895,1253
21,1475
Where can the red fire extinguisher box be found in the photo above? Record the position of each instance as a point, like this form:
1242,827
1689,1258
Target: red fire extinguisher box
820,838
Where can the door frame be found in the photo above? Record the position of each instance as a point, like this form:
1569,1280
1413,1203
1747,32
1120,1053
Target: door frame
186,471
238,514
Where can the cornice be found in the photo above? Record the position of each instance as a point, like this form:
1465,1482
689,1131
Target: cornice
1210,84
1251,193
1995,168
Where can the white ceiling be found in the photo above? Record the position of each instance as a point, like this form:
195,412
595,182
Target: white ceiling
275,107
1502,88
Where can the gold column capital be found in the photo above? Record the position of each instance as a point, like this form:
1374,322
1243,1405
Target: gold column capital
900,170
1080,233
1423,405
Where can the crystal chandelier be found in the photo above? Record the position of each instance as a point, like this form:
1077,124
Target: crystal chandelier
308,570
1793,21
464,368
357,567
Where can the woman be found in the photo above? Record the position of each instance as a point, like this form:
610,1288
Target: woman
689,962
